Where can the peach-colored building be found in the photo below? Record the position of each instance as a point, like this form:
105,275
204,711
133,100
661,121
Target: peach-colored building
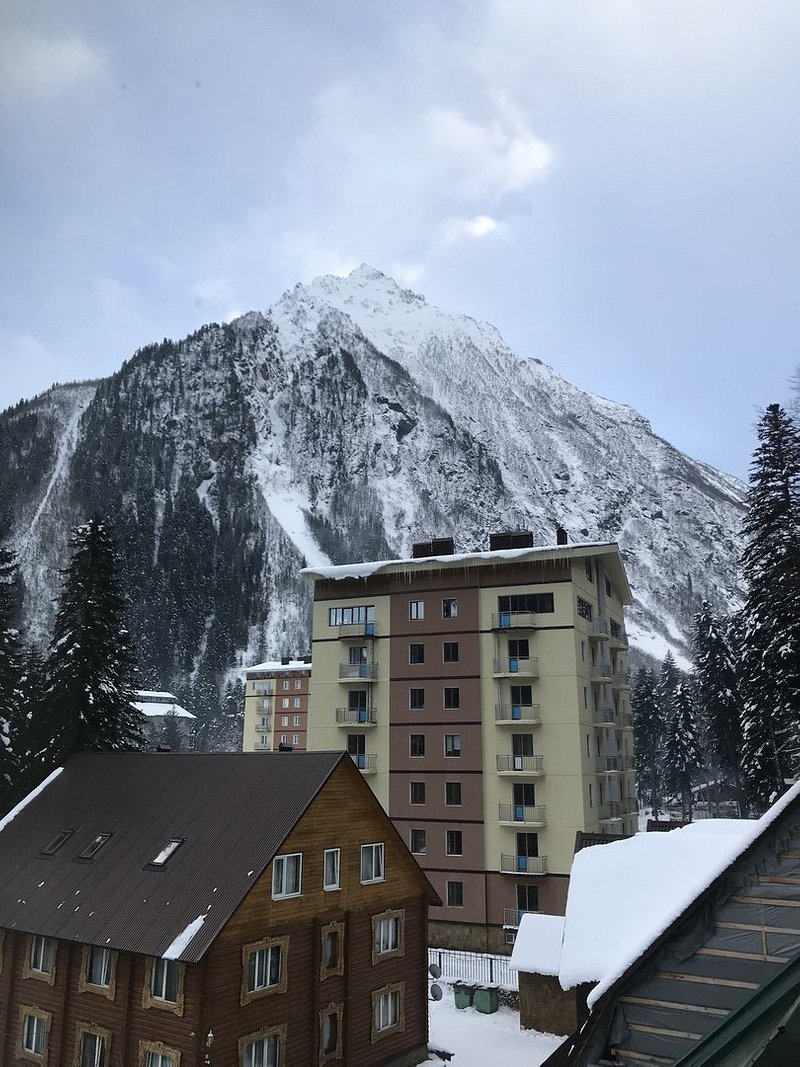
276,705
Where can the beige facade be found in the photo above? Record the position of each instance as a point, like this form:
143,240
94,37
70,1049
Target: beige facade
276,705
486,700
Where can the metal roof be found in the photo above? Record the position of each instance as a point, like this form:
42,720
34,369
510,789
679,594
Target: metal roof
231,810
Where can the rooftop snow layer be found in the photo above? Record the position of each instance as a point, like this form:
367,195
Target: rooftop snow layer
157,707
275,666
537,947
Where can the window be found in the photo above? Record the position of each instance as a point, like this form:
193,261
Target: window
298,683
284,702
452,792
455,894
521,697
583,651
284,739
332,962
34,1028
261,1051
452,697
452,744
295,739
330,868
263,968
416,745
450,652
416,653
265,721
416,610
616,629
285,684
584,609
417,793
387,1010
416,699
92,1050
287,872
454,843
164,981
154,1054
450,608
166,852
533,603
296,702
330,1031
591,798
94,847
284,720
417,845
57,842
609,588
387,935
587,563
361,614
527,898
296,720
98,966
519,649
372,863
41,959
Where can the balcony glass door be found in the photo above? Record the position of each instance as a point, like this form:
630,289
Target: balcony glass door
521,697
521,746
527,848
524,797
356,748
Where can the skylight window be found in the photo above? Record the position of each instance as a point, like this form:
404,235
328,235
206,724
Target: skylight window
57,842
166,852
94,847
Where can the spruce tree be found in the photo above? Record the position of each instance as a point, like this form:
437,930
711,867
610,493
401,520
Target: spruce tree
89,673
718,694
683,756
648,731
10,678
771,613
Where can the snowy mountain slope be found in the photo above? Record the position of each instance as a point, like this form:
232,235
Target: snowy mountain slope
344,423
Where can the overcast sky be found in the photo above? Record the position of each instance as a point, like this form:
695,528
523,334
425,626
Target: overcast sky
613,184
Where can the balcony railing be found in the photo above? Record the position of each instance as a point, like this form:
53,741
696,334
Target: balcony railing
601,672
523,864
264,727
598,630
365,761
609,811
263,746
356,717
366,672
618,637
629,806
520,764
604,717
508,714
260,690
357,629
528,667
522,814
621,680
263,704
627,721
609,764
514,620
513,916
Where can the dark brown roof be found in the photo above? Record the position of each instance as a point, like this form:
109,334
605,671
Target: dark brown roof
233,811
588,838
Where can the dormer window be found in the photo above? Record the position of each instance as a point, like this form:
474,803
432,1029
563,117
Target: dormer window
94,847
57,842
167,852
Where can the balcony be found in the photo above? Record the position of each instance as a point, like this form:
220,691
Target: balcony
610,812
621,680
627,721
263,745
601,672
356,717
629,806
598,630
517,714
514,620
523,864
603,717
263,704
261,690
523,668
518,765
357,630
522,815
264,727
618,638
609,764
513,916
358,672
367,762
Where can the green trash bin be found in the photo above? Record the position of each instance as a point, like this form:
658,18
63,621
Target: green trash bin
485,999
462,994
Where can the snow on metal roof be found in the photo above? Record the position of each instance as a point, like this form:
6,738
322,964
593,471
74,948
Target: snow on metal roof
276,666
153,708
537,947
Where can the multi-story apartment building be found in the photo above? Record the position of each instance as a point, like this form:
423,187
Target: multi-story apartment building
276,705
485,697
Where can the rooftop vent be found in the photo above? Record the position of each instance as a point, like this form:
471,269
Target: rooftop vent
439,546
306,659
561,536
285,660
505,539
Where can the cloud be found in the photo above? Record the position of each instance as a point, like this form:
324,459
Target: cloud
479,226
34,67
407,273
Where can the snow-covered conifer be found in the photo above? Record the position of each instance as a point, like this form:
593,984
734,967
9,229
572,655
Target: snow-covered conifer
683,756
648,726
10,676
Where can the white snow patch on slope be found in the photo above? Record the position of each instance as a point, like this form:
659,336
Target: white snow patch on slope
34,793
181,942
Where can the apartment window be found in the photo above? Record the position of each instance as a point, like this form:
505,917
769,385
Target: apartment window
455,894
330,868
287,875
387,935
260,1051
154,1054
452,793
417,793
527,897
361,614
296,720
98,968
450,652
585,697
372,863
416,610
531,603
285,684
609,588
452,744
587,563
452,696
416,745
284,739
295,739
454,843
591,798
387,1010
417,843
584,609
284,702
521,697
296,702
330,1031
92,1049
284,720
35,1025
165,980
264,967
416,653
332,961
450,608
588,747
615,629
519,649
265,721
42,955
416,699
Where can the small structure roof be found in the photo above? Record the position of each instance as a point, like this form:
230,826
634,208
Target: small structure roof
232,811
153,708
537,947
277,666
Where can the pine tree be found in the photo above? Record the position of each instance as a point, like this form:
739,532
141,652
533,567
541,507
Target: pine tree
771,613
170,734
683,756
718,694
10,678
648,727
89,673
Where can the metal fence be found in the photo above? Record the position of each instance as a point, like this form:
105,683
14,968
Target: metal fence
474,967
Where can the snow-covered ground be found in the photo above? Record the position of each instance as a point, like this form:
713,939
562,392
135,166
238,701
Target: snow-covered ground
476,1039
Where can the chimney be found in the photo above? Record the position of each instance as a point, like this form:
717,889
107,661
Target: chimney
561,536
437,546
505,539
285,660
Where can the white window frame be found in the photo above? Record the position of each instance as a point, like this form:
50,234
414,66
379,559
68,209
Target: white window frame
417,851
42,958
99,1057
285,684
372,850
268,1054
159,1059
298,684
387,935
37,1032
387,1011
336,854
279,870
416,610
454,754
106,961
295,739
159,977
262,959
451,612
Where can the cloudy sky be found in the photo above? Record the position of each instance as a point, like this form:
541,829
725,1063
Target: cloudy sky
612,184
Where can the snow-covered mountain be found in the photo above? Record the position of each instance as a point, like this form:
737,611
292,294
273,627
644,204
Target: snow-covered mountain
348,421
